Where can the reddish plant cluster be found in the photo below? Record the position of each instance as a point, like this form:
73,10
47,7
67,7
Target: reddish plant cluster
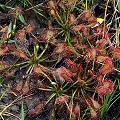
21,34
85,50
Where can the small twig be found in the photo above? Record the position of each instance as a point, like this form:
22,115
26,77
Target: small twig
39,5
105,17
7,113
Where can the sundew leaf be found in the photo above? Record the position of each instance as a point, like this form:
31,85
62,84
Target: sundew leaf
71,1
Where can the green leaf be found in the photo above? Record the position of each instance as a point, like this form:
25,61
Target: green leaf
119,5
1,82
9,29
3,94
107,103
21,18
11,41
4,6
22,111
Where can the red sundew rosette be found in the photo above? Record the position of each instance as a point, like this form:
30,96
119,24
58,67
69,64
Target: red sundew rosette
91,54
22,55
61,100
21,37
91,73
98,30
65,51
80,46
37,110
53,8
59,49
64,75
29,29
47,34
19,87
94,106
69,51
52,4
18,53
5,36
61,4
107,67
72,65
101,44
100,77
115,52
72,19
3,66
86,15
75,39
74,110
38,69
24,87
105,87
94,114
4,50
92,21
82,28
80,68
102,59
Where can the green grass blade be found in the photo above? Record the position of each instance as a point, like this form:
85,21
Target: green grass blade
22,111
119,5
21,18
107,103
4,6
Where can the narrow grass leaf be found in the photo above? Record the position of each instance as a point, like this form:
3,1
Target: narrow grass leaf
107,104
11,41
23,116
4,6
22,19
119,5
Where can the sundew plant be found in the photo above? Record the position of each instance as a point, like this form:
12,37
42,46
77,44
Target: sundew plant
73,61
